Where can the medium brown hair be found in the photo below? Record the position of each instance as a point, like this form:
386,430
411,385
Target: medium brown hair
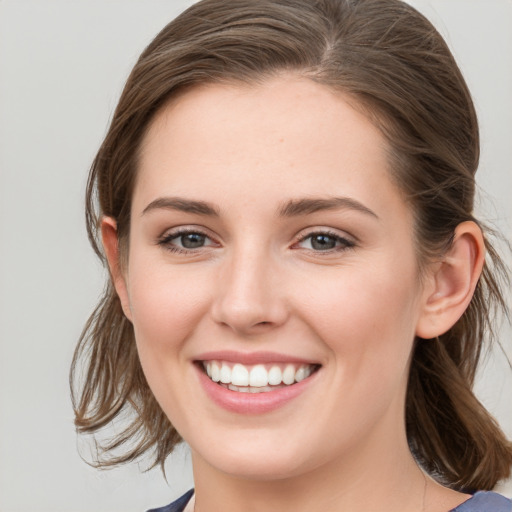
398,70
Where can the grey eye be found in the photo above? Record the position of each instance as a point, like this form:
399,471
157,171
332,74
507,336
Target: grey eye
322,242
192,240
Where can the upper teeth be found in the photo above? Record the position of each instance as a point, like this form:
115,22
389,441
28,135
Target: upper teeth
258,375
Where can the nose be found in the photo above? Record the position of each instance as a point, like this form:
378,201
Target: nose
249,297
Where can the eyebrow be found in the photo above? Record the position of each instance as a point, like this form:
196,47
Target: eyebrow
182,205
311,205
292,208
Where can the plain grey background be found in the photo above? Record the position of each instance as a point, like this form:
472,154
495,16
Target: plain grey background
62,67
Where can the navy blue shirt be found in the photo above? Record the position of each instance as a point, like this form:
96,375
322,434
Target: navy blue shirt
482,501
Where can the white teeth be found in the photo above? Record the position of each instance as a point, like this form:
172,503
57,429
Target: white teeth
225,374
300,374
247,389
275,376
289,374
215,372
258,376
240,375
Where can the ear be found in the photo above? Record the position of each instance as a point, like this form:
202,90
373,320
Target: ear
111,248
452,282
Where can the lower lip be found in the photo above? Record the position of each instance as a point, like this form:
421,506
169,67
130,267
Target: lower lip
252,403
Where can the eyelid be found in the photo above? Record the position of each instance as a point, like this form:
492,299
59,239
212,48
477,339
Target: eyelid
344,240
168,235
347,240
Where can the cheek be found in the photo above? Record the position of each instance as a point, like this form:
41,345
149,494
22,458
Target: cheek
367,319
166,304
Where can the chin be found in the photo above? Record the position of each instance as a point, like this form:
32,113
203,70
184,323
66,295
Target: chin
262,460
261,469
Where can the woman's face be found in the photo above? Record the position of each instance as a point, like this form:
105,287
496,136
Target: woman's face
269,245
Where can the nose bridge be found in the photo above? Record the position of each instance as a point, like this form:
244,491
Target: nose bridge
247,298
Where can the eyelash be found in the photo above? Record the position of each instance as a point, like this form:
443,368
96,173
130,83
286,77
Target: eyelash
344,243
166,240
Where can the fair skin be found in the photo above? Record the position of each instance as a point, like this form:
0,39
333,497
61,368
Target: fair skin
228,253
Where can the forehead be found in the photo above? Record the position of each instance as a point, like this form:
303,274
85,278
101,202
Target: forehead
286,135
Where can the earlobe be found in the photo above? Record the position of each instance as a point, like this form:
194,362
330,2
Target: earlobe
452,282
111,248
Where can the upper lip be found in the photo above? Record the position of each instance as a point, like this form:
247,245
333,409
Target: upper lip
252,358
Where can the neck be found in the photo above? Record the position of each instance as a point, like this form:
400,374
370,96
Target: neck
382,477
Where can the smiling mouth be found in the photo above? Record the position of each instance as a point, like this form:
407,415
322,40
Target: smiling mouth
258,378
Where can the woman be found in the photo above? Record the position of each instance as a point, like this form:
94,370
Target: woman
299,288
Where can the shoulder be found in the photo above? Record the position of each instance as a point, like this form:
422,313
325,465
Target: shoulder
176,506
485,501
482,501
